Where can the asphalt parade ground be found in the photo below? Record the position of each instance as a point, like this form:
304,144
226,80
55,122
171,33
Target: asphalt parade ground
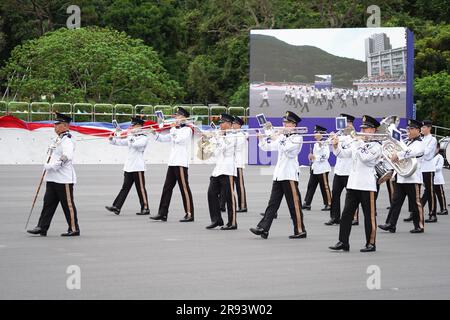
132,257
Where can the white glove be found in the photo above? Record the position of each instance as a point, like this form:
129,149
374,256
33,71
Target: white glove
47,166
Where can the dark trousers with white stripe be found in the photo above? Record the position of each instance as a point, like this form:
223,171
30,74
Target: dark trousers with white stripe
428,193
130,178
322,180
390,185
240,190
352,200
412,191
439,191
289,189
176,174
339,183
56,193
216,185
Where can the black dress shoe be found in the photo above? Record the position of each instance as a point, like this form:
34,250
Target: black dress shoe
228,227
222,209
340,246
159,217
416,230
409,219
443,212
355,223
71,234
38,230
326,208
143,212
214,225
306,207
113,209
387,227
431,219
241,210
187,219
300,235
331,222
369,248
260,232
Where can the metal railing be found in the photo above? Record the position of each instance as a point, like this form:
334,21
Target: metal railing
102,112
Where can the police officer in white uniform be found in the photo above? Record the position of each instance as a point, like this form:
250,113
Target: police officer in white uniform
60,178
223,175
342,170
241,155
428,170
134,167
285,179
320,170
180,136
439,181
265,98
408,186
361,188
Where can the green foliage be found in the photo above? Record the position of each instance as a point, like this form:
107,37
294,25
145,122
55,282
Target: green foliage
432,94
90,64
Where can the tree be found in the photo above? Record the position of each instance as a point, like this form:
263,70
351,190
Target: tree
432,94
90,64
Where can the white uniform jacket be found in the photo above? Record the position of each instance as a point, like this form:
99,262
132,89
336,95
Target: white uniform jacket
439,164
416,149
60,168
288,148
364,158
136,148
225,155
180,139
344,159
321,155
241,149
428,155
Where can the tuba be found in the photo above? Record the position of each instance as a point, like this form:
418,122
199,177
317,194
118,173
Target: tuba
390,146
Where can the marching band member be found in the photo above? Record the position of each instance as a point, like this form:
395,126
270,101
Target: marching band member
60,178
439,181
342,170
320,170
428,170
285,179
361,188
177,172
241,155
134,167
223,176
408,186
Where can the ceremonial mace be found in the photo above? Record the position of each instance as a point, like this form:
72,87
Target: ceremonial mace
50,151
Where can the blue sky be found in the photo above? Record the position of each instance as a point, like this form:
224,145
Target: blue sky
346,42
